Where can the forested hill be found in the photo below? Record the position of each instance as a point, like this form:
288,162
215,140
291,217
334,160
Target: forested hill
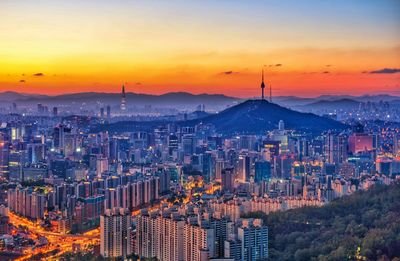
363,226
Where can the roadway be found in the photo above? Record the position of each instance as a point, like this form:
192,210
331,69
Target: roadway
56,241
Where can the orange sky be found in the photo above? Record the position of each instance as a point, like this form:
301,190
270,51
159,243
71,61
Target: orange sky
58,47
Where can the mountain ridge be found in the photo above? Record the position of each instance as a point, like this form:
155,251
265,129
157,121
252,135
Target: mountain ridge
183,100
280,98
330,104
17,96
248,117
256,116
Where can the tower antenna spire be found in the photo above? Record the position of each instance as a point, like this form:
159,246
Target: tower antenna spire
262,84
262,76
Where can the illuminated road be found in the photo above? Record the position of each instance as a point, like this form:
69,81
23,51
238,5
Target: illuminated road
60,242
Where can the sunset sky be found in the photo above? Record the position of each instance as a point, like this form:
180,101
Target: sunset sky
307,48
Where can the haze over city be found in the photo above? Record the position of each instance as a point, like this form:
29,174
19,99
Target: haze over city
307,48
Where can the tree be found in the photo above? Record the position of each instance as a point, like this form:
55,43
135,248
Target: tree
366,224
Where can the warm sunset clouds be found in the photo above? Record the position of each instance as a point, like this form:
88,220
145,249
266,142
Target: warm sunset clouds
306,48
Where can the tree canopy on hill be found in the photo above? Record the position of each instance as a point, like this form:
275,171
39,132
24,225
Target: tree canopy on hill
257,116
362,226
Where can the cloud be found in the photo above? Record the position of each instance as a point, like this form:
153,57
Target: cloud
23,81
326,72
386,71
138,83
328,65
229,73
272,65
38,74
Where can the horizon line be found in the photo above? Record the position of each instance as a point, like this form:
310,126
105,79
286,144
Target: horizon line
197,94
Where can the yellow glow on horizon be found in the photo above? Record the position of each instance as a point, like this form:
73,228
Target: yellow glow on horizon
78,48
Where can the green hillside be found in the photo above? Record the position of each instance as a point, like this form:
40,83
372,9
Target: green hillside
363,226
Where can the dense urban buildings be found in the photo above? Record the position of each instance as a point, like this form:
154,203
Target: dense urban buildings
174,190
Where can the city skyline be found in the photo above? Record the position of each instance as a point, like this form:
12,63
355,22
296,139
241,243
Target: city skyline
306,49
199,130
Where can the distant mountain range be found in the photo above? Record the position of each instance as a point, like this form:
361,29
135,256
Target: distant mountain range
188,101
137,99
344,103
14,96
249,117
332,100
184,97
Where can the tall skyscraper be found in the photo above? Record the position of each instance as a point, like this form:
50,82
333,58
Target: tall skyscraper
123,99
55,111
173,144
26,202
331,148
188,144
4,156
101,166
262,171
228,179
59,133
115,233
177,235
199,242
108,112
233,249
160,236
219,166
208,167
254,238
243,168
281,125
335,147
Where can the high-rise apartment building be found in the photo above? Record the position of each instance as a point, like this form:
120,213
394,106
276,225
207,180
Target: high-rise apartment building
160,236
254,239
115,233
199,242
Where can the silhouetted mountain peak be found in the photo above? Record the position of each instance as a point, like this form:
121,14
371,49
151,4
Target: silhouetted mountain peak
257,116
